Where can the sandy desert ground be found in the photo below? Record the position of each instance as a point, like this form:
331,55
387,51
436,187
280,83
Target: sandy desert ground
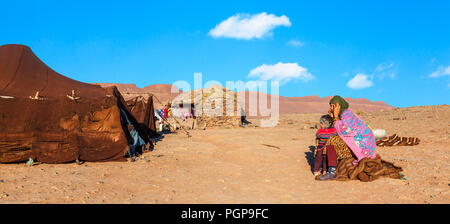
236,166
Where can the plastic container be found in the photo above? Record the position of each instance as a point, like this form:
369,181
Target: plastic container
379,133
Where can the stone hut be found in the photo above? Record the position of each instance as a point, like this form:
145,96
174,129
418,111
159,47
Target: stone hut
215,106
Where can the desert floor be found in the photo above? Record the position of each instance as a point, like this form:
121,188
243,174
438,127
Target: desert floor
234,166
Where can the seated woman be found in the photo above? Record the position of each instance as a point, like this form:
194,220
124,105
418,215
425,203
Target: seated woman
355,137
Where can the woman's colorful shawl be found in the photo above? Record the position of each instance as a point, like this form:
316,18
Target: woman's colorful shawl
356,134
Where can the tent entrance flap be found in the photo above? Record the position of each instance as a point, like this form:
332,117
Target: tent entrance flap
135,141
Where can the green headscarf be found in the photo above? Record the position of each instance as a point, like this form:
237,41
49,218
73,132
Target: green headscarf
342,103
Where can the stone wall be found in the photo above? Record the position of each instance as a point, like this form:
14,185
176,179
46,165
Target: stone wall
222,121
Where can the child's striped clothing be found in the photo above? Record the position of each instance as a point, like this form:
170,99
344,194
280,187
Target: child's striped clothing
323,135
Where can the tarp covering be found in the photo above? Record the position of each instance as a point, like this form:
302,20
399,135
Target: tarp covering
143,110
52,128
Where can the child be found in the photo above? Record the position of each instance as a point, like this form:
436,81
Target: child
323,134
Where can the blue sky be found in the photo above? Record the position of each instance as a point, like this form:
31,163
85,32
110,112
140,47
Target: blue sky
392,51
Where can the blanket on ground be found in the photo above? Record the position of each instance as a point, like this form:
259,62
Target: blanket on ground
395,140
367,169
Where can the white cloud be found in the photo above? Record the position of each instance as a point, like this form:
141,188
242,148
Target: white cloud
246,26
385,69
282,72
441,71
384,66
360,81
296,43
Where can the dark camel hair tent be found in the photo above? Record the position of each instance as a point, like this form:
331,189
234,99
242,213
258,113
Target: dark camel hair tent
142,109
54,119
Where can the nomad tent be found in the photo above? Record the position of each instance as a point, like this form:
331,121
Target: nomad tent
54,119
142,109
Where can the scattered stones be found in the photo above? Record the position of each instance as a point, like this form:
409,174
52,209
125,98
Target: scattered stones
4,195
316,126
398,118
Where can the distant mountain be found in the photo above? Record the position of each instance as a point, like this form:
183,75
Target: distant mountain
162,92
23,74
288,105
316,104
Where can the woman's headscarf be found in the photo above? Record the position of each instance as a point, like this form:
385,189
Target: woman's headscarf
337,99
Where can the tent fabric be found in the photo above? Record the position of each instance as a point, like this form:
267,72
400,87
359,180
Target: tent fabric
23,74
54,128
143,110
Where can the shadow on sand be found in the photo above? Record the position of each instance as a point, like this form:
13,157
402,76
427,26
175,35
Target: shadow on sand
309,156
160,137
